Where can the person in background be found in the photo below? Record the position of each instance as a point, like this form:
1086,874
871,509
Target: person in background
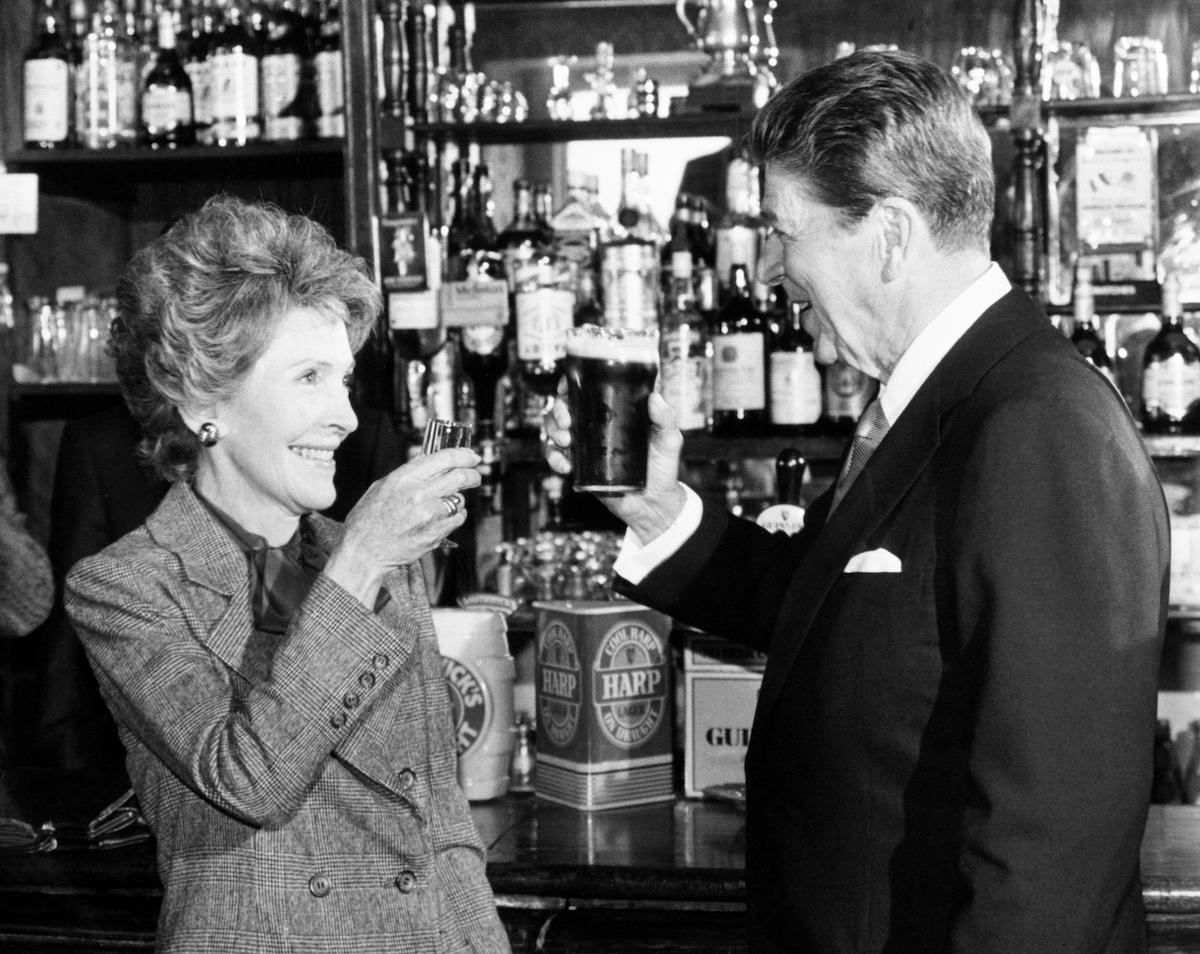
952,744
26,580
274,674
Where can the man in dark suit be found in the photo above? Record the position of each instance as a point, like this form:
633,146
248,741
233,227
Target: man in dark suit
102,491
952,746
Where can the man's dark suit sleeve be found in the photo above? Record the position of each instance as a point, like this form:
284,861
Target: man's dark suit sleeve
1059,574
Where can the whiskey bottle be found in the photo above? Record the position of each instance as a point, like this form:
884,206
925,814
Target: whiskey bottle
167,94
110,81
1170,370
284,57
327,62
201,36
236,103
47,74
739,362
795,379
684,358
1085,336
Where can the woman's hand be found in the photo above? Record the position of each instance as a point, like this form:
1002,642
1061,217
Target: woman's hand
649,513
401,517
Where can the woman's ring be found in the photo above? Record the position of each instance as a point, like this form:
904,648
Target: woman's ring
452,503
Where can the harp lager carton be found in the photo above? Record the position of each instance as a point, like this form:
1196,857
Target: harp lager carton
602,677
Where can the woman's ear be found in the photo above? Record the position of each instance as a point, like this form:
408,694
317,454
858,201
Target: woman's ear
195,417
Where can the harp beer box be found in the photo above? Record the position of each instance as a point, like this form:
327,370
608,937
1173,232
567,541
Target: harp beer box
602,678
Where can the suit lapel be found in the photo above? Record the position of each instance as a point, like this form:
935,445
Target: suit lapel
896,464
215,566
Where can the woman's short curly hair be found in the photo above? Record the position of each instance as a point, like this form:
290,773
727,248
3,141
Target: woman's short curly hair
199,305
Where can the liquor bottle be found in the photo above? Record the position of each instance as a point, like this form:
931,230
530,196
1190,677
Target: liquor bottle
787,513
588,310
1084,335
411,278
456,88
845,396
544,307
795,379
10,351
481,302
523,237
630,262
700,238
167,94
576,227
1170,370
110,81
284,56
543,212
234,55
1167,783
331,88
684,359
608,225
739,362
47,74
201,36
736,232
80,25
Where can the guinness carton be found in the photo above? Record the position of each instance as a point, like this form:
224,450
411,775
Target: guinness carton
603,695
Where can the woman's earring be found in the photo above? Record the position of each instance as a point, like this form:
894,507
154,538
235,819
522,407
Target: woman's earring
208,434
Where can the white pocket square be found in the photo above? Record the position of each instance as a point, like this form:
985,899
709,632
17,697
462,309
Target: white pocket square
873,561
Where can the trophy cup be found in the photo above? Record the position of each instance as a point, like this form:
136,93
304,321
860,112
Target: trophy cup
739,75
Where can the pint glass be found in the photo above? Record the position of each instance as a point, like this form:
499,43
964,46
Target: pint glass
610,374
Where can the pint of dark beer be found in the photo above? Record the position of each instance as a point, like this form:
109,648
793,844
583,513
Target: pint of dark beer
610,374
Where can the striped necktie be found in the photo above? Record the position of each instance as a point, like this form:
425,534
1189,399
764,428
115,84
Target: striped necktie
869,431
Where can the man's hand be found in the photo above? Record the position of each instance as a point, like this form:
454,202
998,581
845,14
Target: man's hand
649,513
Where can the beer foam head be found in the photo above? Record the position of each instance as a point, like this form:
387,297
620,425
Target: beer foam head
613,344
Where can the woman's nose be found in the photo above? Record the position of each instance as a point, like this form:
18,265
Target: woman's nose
343,415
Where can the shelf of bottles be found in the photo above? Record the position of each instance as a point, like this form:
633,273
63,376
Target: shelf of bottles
118,81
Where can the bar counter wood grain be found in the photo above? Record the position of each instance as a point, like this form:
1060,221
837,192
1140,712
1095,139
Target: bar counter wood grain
650,878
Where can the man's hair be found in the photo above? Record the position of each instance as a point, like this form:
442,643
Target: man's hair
879,124
199,305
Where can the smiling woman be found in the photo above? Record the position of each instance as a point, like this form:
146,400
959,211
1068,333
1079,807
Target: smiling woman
275,674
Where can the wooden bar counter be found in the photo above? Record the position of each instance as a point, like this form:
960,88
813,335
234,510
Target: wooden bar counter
657,877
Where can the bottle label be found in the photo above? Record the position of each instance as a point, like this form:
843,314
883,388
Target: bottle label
331,94
280,91
413,310
739,378
475,302
235,106
128,87
109,92
543,317
1169,387
795,388
200,73
47,96
683,378
847,392
165,108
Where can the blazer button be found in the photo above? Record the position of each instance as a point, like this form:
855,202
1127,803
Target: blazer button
406,779
350,700
381,661
406,881
319,886
367,680
337,720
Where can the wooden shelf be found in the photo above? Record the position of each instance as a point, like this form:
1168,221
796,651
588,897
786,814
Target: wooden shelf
274,159
733,125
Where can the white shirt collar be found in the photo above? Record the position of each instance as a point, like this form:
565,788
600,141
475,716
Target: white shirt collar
938,337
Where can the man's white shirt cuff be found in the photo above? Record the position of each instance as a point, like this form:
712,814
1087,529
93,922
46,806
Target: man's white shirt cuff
636,560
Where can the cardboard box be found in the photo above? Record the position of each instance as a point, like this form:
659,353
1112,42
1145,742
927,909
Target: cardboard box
602,679
720,712
711,653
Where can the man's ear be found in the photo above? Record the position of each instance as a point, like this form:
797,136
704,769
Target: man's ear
898,222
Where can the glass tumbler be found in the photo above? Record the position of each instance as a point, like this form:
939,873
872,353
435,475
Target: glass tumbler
440,434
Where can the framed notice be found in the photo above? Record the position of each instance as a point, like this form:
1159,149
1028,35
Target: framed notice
1116,190
402,248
